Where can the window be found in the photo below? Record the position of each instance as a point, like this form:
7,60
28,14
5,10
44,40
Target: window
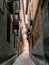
8,29
27,6
16,21
48,9
14,40
10,5
16,6
2,6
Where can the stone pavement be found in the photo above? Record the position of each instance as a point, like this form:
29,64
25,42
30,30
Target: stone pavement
24,59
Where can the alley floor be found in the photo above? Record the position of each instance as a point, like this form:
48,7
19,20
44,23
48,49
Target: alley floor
24,59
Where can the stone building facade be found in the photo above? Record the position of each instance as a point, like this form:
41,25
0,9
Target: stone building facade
45,13
40,33
7,48
37,50
37,31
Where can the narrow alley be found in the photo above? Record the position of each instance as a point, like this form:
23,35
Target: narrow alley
24,59
24,32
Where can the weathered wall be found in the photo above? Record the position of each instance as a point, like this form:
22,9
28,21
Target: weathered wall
45,12
38,34
34,4
38,47
37,53
37,31
5,47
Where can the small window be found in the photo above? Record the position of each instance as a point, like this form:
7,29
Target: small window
10,5
16,6
14,40
8,29
42,4
48,9
27,6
